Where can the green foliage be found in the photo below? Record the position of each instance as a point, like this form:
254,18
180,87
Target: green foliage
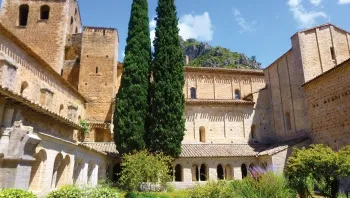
321,165
132,99
217,56
85,126
66,192
211,190
175,194
143,167
167,123
103,192
16,193
269,185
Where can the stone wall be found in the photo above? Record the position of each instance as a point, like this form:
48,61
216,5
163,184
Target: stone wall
37,82
288,104
46,37
315,48
221,84
98,72
328,99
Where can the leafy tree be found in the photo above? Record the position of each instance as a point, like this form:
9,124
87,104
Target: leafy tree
167,124
132,98
143,167
320,164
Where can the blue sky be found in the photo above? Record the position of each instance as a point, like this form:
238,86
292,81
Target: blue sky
255,27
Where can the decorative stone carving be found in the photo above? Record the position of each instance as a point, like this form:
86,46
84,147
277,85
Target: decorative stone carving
19,142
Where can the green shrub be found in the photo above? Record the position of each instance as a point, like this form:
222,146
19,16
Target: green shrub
103,192
211,190
142,167
269,185
66,192
16,193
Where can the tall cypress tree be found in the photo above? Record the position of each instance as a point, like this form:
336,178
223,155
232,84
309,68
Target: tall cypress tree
167,124
132,99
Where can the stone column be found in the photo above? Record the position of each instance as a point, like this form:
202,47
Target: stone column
4,140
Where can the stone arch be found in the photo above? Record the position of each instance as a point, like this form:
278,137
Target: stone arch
63,172
23,15
78,168
44,12
220,172
37,172
237,94
193,91
195,173
203,172
24,87
57,172
202,135
178,173
228,172
244,171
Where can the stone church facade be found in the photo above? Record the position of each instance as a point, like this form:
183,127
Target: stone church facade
55,73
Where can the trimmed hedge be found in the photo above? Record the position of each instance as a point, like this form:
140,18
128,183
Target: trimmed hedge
66,192
16,193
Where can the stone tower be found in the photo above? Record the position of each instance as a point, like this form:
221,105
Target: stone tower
43,25
98,72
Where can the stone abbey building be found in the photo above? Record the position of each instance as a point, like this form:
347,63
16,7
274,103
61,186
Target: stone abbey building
54,73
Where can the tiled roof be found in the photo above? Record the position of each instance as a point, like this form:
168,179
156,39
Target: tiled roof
221,150
236,150
214,101
108,148
4,91
278,147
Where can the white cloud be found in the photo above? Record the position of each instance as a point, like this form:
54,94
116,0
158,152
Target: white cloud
198,27
243,24
304,17
316,2
344,1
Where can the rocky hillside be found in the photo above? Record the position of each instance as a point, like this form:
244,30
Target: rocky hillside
202,54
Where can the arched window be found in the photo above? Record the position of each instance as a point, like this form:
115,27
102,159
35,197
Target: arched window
195,173
71,21
203,172
23,15
37,172
220,172
24,86
253,132
288,122
96,70
202,134
228,172
178,173
61,109
244,171
237,94
76,30
193,93
44,12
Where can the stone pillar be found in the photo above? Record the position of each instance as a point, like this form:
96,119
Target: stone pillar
23,175
2,109
4,140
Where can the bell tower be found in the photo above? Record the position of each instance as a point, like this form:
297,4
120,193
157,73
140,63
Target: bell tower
43,25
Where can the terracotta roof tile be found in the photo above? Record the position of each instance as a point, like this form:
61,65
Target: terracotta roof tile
108,148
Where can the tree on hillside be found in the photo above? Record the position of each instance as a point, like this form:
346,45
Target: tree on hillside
167,124
132,99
